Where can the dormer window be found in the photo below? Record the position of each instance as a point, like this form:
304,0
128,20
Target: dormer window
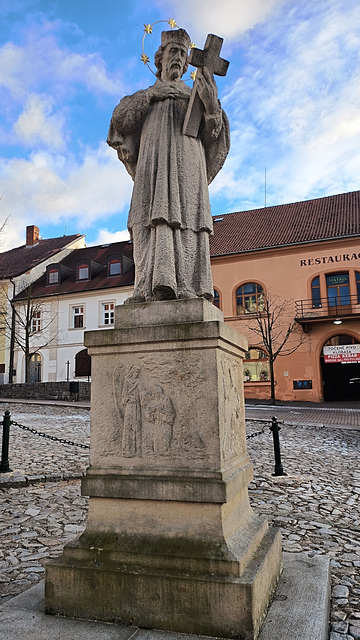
53,276
82,272
114,266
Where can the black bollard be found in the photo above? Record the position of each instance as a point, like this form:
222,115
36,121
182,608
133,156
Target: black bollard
279,471
4,463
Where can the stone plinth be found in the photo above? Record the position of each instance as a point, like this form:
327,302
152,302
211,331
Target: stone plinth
171,541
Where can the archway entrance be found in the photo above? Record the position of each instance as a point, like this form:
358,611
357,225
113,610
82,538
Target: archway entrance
82,364
341,376
35,368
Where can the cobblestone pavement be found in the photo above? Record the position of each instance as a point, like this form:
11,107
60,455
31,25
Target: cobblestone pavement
317,505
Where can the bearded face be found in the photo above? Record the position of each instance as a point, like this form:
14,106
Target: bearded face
173,62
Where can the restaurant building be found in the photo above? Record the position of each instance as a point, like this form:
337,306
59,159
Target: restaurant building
304,256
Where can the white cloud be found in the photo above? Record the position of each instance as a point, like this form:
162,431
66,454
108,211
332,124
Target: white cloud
105,236
295,109
41,61
37,124
228,19
57,189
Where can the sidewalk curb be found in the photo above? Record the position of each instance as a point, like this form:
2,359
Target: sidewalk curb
14,480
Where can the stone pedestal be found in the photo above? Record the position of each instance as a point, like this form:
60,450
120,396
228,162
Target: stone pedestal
171,541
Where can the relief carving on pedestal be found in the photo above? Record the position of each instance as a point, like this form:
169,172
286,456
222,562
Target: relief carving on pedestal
231,442
147,415
148,422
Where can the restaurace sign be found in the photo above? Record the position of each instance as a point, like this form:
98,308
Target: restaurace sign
344,353
342,257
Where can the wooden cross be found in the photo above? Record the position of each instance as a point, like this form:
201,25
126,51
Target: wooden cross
210,59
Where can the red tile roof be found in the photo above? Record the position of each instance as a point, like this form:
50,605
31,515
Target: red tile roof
21,259
332,217
101,280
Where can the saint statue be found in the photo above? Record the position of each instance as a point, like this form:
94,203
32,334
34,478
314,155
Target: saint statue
170,220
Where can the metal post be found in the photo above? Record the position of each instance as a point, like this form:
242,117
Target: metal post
279,471
68,371
4,463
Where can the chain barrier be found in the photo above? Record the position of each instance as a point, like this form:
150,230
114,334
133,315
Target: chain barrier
257,433
53,438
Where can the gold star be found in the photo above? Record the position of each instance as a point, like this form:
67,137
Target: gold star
193,45
144,58
172,23
148,28
193,75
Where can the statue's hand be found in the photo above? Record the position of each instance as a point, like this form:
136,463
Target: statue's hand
207,91
163,91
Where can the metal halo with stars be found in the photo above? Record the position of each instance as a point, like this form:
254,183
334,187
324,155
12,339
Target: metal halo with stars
148,31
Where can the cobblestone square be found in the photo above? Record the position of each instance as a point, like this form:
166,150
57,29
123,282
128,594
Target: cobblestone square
316,505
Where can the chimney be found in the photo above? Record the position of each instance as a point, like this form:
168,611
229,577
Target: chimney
32,235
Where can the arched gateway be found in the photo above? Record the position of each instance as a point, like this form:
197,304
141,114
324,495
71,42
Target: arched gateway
340,365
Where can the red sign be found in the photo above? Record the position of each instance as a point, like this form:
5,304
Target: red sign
345,353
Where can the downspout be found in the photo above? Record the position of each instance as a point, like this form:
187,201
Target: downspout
12,335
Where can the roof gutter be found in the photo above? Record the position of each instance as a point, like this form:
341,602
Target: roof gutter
283,246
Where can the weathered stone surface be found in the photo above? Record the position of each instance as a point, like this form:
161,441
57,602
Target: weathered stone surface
303,488
168,483
170,219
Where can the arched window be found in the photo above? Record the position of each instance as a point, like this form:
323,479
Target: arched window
82,364
216,300
315,293
249,298
357,277
338,289
256,366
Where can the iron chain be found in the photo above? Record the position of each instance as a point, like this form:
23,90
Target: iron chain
257,433
53,438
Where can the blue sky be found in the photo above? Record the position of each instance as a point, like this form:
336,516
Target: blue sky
292,94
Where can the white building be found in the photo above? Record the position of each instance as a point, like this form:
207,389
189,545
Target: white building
19,267
76,294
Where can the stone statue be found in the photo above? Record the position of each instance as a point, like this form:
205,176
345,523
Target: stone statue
170,220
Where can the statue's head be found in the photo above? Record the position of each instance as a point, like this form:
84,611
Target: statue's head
171,59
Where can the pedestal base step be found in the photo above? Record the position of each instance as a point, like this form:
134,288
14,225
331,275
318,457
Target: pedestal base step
299,611
197,603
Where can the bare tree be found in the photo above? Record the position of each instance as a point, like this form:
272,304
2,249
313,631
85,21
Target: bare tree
2,228
28,326
278,332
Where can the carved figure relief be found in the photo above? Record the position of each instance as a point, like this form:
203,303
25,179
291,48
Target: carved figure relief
147,416
161,413
231,445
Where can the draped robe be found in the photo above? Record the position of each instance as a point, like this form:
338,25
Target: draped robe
169,220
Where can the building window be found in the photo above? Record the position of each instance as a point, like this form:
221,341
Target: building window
53,276
249,298
216,300
338,289
36,321
315,293
78,317
357,276
114,268
82,272
256,366
107,313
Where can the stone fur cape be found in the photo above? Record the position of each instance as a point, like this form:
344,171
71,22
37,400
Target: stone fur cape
171,173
